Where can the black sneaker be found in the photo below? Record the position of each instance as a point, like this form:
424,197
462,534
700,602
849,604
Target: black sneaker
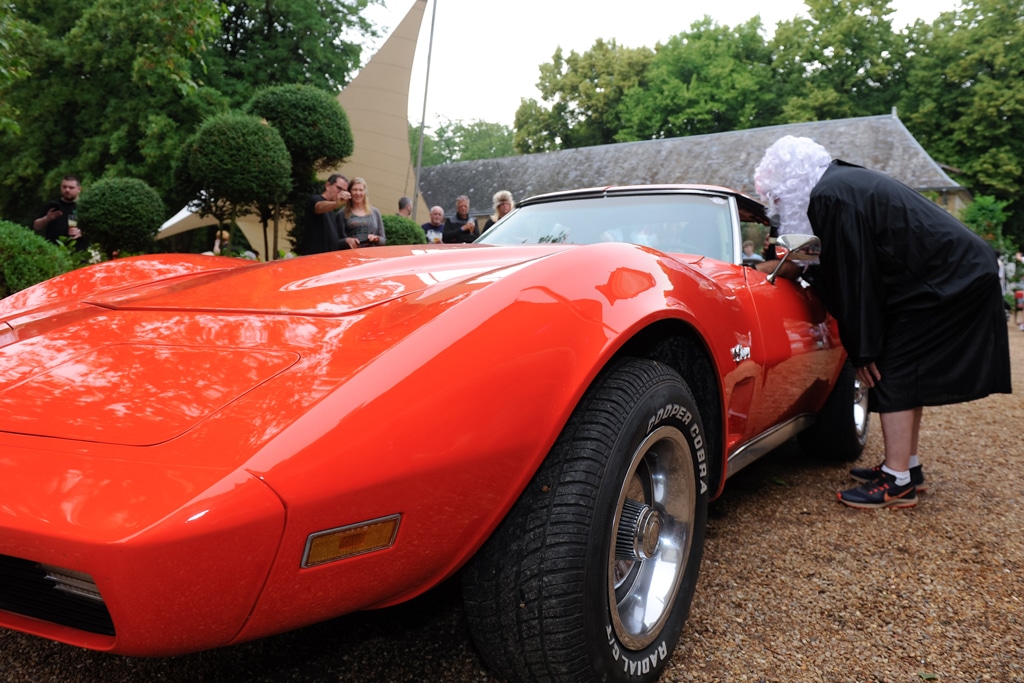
865,474
882,492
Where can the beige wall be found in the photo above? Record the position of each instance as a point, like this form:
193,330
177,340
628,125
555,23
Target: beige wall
377,102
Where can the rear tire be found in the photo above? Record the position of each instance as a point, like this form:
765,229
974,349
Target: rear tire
841,430
591,574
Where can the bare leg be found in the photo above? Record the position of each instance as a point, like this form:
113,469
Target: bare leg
901,432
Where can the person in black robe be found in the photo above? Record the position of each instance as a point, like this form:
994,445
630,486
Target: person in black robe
915,293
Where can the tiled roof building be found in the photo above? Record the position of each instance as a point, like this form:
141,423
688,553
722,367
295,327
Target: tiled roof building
881,142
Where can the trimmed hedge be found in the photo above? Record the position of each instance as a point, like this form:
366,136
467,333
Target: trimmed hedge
121,215
27,259
237,160
402,230
314,127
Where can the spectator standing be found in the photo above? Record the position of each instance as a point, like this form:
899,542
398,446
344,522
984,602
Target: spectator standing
503,203
915,293
405,207
222,243
321,230
60,218
434,228
460,228
363,220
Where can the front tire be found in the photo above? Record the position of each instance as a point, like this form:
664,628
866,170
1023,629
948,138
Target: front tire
591,575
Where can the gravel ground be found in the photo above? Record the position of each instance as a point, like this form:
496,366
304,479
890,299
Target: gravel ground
794,587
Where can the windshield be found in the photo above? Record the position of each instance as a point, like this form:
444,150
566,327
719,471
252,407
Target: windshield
684,223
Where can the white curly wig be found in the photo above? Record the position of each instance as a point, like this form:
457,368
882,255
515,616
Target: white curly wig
784,178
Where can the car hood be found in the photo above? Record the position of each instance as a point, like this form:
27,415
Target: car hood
140,365
326,284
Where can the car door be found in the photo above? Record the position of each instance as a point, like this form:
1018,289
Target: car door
800,349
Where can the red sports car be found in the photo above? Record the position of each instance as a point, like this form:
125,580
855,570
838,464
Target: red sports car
199,451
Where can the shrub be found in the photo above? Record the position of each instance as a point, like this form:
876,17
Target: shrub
233,164
402,230
314,127
27,259
121,214
316,132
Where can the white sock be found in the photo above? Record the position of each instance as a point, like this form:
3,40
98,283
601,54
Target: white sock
902,478
915,461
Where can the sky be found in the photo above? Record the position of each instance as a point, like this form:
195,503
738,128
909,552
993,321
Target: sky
486,54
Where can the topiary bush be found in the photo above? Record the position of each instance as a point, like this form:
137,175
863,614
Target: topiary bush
312,123
27,259
121,215
232,165
317,133
402,230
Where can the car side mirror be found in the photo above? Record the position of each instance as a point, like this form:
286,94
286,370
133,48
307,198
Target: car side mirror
798,247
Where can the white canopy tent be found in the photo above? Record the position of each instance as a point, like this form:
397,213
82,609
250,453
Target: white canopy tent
250,226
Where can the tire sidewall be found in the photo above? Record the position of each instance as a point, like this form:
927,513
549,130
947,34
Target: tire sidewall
669,403
833,436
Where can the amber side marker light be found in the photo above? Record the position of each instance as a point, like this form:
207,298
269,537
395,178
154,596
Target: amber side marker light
351,540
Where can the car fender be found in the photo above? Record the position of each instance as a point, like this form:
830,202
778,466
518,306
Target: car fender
486,386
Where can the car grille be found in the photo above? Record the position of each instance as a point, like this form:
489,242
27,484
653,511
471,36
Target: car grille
56,595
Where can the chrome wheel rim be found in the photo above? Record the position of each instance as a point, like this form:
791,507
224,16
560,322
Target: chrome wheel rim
651,537
861,416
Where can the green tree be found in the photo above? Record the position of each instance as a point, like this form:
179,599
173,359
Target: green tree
452,141
582,93
432,155
112,92
537,128
483,140
13,68
116,87
277,42
986,216
121,215
710,79
965,98
842,61
233,164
